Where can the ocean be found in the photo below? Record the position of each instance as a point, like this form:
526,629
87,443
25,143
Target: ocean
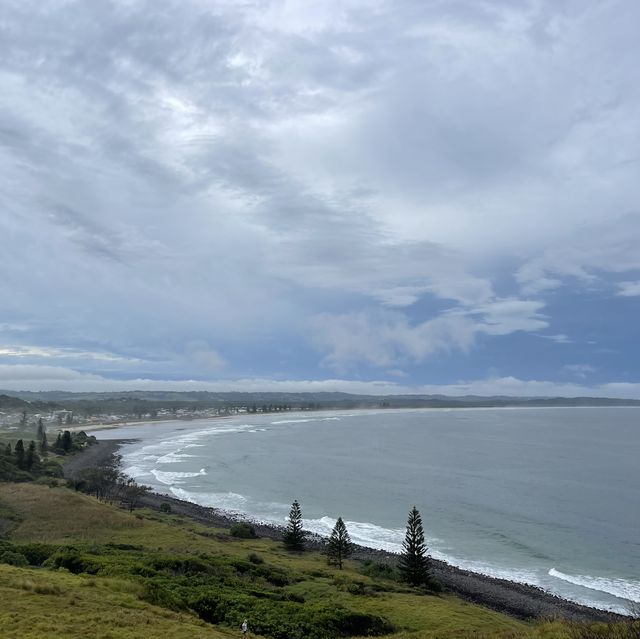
545,496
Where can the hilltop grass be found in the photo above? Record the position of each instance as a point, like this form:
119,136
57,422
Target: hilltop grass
183,567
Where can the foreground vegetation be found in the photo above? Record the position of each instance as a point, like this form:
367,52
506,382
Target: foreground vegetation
80,567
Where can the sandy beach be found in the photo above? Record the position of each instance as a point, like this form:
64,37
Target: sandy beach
89,428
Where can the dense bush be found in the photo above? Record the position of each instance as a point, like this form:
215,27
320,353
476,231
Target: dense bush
379,570
255,558
72,560
242,530
36,554
13,558
165,507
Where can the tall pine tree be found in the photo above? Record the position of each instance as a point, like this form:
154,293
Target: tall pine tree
19,453
339,544
66,441
30,457
44,446
414,564
40,431
294,536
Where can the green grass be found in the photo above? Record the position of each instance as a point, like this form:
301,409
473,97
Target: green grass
40,604
177,563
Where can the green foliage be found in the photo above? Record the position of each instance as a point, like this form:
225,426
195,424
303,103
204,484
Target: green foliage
66,442
414,564
380,570
52,469
339,546
19,454
255,558
30,457
242,530
44,445
40,430
13,558
72,560
165,507
294,536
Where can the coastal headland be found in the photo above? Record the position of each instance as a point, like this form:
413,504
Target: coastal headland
515,599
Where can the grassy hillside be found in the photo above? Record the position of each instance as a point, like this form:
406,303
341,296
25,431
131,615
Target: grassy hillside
109,573
38,603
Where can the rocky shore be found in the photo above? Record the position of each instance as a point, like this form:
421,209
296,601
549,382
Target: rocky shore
518,600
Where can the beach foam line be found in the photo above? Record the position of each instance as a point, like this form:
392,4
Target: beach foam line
169,478
622,588
229,502
304,421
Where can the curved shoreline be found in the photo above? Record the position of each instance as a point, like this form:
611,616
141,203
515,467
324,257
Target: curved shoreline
513,598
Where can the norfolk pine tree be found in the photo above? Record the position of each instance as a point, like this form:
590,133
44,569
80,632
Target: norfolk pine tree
339,544
414,564
294,536
66,441
30,457
19,453
44,446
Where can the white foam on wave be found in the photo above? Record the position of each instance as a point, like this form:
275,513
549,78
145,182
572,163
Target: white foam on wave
229,502
362,533
136,472
621,588
171,448
168,478
309,419
171,458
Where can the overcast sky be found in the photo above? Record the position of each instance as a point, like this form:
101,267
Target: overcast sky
370,196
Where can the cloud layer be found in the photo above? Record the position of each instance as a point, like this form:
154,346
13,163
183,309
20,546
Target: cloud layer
278,191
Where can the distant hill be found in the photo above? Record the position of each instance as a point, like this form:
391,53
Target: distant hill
16,400
8,402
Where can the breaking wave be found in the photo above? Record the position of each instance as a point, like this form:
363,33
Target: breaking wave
168,479
622,588
309,419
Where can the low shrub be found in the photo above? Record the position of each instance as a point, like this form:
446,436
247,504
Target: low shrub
35,553
72,560
255,558
13,558
242,530
158,594
165,507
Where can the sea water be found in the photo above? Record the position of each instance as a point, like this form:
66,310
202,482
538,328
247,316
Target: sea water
545,496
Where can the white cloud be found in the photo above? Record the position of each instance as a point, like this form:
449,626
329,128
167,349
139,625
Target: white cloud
580,370
46,352
389,338
39,378
629,289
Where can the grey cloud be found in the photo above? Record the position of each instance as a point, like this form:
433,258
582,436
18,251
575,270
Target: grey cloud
387,339
174,176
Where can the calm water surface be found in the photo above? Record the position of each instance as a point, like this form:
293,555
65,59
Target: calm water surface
547,496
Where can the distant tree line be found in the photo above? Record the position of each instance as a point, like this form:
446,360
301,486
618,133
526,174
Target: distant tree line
26,461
